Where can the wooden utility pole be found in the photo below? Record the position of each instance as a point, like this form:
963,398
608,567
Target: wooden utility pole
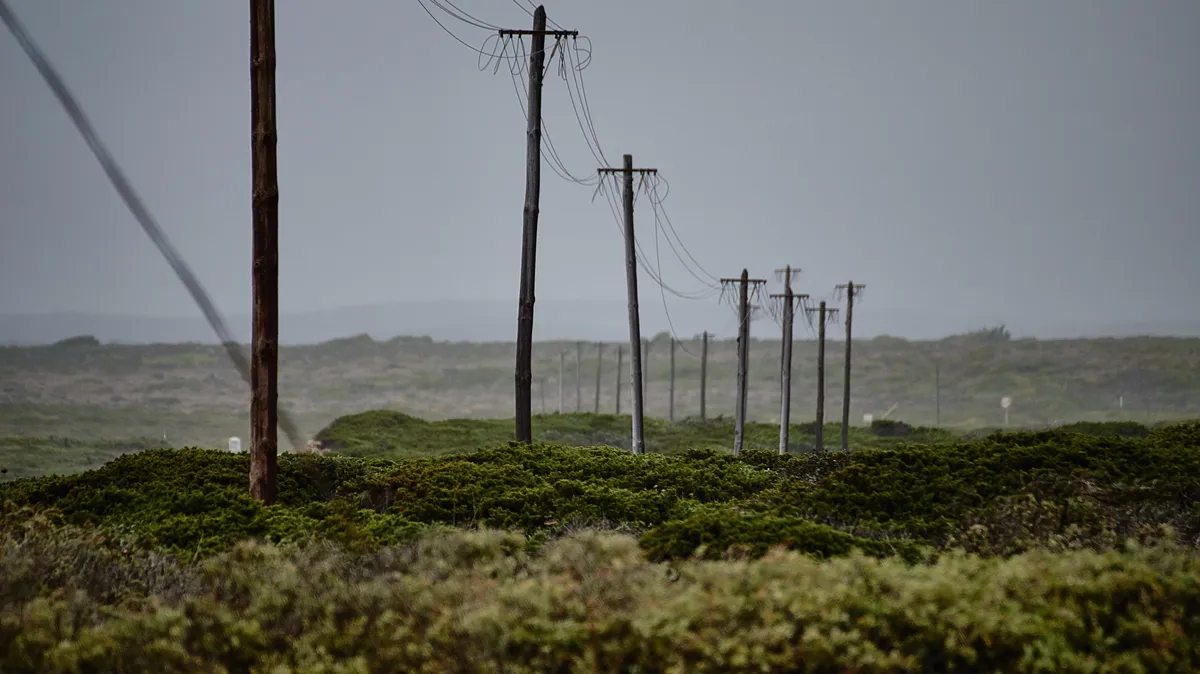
578,377
264,350
599,372
562,356
671,393
635,326
533,187
703,373
852,291
744,284
825,315
788,300
620,354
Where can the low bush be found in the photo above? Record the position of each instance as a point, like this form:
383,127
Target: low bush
159,561
479,602
1121,429
394,435
716,534
1085,490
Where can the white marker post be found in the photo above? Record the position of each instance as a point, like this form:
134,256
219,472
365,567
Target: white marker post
1005,402
868,418
235,445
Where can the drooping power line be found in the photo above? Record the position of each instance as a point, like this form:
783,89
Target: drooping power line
137,207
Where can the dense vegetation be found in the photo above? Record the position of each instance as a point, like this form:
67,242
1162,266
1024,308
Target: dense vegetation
479,602
1015,552
394,435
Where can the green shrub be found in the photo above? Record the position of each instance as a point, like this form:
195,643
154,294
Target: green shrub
1088,490
890,428
477,602
1121,429
714,533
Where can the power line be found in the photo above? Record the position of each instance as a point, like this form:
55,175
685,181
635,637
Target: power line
531,7
550,152
657,201
641,255
569,57
463,16
610,198
450,32
662,292
585,119
658,224
138,208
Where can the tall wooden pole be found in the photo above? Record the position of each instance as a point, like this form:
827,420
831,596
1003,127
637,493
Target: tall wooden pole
851,291
703,374
599,372
671,393
264,354
785,411
824,314
821,380
785,361
635,326
533,186
744,284
743,345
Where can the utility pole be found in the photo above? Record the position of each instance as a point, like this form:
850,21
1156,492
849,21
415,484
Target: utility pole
788,300
825,315
620,353
744,284
635,327
533,187
703,373
562,355
578,377
264,351
852,291
599,372
671,394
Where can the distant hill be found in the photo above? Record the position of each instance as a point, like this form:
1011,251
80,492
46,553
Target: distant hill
490,320
191,393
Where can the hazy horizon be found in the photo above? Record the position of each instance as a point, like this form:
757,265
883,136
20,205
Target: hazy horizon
1025,163
484,321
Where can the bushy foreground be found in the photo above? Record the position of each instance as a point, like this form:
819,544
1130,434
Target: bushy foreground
999,495
588,602
1028,552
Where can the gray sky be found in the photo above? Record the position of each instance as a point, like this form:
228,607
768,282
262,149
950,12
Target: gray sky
1002,159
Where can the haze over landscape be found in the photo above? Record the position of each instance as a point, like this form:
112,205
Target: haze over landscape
1025,163
995,470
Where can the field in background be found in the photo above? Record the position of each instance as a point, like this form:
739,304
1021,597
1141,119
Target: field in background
191,395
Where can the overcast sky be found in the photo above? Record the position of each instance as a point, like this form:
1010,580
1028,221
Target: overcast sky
1010,159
